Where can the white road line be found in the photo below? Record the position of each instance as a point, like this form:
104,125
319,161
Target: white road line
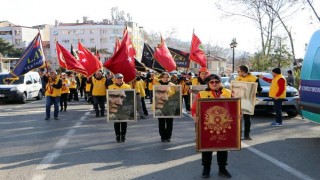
276,162
57,149
181,146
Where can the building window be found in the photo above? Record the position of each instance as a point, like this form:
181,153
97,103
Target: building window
103,40
78,31
5,33
65,32
91,40
55,33
116,31
104,31
18,32
65,41
91,31
18,41
82,41
75,41
209,65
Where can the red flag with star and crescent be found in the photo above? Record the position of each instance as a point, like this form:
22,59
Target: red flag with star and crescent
68,61
197,53
122,60
88,60
164,57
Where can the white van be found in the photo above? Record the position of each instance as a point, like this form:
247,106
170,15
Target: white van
27,87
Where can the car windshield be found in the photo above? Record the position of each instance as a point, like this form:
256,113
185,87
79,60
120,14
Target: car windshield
4,78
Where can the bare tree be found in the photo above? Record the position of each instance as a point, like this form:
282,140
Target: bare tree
310,3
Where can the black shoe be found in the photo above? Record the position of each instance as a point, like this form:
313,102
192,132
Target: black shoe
61,110
102,115
65,110
97,115
163,140
118,139
56,118
224,173
248,138
123,138
206,172
47,118
168,140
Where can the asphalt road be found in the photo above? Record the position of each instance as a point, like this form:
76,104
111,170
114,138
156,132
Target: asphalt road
81,146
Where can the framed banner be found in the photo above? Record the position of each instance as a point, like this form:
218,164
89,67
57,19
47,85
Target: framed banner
247,92
167,101
218,127
121,105
195,89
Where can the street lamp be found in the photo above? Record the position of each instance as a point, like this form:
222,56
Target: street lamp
233,45
208,55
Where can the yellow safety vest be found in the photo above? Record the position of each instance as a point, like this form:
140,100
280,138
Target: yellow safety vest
274,88
51,91
225,93
65,89
99,87
248,78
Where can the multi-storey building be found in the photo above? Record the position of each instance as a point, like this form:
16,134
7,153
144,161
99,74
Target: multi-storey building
99,35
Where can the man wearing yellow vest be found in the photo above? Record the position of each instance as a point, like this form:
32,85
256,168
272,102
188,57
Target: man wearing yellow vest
99,91
245,76
53,93
64,92
277,92
120,128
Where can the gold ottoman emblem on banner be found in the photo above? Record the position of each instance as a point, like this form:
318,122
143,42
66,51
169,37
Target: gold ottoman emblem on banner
217,120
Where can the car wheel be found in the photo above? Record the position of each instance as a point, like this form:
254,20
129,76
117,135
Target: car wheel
292,113
24,98
39,97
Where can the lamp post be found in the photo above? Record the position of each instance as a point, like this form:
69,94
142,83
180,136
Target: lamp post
208,55
233,45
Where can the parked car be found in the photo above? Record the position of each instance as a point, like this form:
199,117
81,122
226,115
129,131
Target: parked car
265,104
24,88
225,82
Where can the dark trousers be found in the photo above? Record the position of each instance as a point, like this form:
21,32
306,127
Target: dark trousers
151,96
120,128
64,101
222,157
144,107
55,101
277,108
186,99
165,128
247,124
81,92
73,95
99,101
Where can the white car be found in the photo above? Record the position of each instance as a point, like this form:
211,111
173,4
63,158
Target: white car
26,87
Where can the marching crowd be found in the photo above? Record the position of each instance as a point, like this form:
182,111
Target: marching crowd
63,88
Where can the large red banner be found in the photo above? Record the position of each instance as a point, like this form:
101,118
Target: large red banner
218,127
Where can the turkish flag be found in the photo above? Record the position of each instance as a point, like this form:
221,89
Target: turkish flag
123,60
68,61
164,57
197,53
117,45
88,60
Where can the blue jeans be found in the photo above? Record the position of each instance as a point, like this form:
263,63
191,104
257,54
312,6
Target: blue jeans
277,108
55,101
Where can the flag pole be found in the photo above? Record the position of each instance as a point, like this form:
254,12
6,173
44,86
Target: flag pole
190,52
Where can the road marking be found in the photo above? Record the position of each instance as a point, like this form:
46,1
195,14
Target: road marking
181,146
276,162
57,149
